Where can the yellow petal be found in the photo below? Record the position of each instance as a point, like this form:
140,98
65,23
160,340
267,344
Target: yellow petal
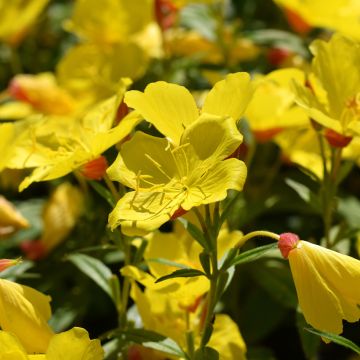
74,344
10,347
144,162
230,97
25,312
168,107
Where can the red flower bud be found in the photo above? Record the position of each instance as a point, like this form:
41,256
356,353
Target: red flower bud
277,56
337,140
95,169
179,212
263,136
287,242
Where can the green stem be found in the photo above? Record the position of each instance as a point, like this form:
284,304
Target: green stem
262,233
111,187
15,61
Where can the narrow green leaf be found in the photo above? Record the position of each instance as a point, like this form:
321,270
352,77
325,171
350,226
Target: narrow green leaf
196,233
252,254
153,340
204,258
94,269
181,273
305,193
206,353
168,262
103,192
340,340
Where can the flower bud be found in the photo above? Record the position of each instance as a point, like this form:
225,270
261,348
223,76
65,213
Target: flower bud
95,169
287,242
337,140
6,263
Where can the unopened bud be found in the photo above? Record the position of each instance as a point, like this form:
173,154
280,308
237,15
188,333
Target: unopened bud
287,242
337,140
6,263
179,212
95,169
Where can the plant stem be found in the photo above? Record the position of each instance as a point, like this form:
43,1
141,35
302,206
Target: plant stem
262,233
111,187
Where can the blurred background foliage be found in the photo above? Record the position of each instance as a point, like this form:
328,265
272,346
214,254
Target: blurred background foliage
261,298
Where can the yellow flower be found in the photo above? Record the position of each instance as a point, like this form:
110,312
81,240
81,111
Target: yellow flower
73,344
272,108
16,17
339,15
24,312
60,215
109,21
160,313
171,108
91,74
166,177
300,146
77,141
186,291
332,95
10,218
327,283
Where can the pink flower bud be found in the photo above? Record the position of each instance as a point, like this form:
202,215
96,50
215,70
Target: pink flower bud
95,169
6,263
287,242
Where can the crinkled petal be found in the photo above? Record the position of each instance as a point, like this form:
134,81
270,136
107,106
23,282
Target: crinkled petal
212,137
143,162
230,97
212,185
141,212
168,107
318,302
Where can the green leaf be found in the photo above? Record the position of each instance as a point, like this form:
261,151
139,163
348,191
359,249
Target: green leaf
195,232
340,340
94,269
103,192
168,262
305,193
181,273
206,353
204,258
151,339
252,254
275,277
309,341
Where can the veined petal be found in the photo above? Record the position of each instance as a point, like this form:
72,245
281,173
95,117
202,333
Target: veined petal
25,312
319,304
342,274
212,186
212,137
144,162
141,212
74,344
230,97
168,107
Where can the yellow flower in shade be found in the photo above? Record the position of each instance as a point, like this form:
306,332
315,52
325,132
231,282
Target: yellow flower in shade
332,94
91,74
272,108
171,108
339,15
109,21
186,291
185,43
24,312
300,145
77,141
16,17
166,177
10,218
73,344
42,93
161,313
327,283
60,215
